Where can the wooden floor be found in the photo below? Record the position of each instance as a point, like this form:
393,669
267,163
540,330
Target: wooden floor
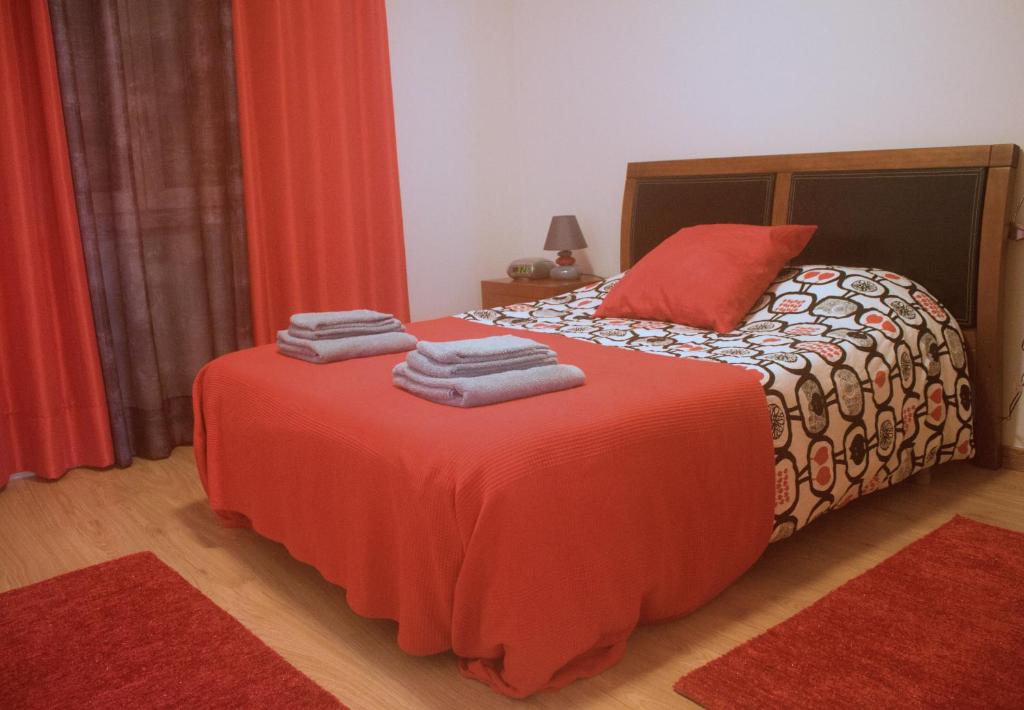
88,517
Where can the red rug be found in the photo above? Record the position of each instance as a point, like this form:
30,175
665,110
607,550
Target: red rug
132,633
938,624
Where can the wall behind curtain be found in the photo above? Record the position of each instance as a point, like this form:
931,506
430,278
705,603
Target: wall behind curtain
52,411
455,118
321,177
149,101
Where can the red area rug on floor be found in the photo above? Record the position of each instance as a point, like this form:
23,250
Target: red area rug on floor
132,633
939,624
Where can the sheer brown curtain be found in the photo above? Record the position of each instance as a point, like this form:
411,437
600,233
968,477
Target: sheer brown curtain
149,102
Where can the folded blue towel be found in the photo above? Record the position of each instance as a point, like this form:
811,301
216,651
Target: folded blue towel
426,366
493,348
487,389
346,330
329,319
324,351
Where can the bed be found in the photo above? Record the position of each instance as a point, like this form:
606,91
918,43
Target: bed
532,537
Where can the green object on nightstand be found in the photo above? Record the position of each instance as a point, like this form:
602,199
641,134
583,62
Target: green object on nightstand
530,268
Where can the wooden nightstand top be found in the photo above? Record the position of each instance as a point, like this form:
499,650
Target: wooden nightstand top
505,291
583,280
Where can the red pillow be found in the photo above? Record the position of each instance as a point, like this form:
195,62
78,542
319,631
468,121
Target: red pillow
708,276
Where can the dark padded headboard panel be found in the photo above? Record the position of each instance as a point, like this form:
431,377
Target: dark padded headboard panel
924,224
663,206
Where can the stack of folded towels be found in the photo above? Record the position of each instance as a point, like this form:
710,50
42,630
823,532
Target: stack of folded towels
340,335
471,373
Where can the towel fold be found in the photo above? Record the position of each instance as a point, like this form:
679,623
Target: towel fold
426,366
324,351
487,389
345,330
491,349
329,319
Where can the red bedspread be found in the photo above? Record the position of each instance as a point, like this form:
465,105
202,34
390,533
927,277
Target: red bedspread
530,537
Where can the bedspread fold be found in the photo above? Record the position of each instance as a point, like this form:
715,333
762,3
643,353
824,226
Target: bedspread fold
530,537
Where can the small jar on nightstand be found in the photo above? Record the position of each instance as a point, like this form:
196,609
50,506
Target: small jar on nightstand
495,293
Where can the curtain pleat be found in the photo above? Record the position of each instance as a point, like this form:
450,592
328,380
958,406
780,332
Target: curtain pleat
53,414
320,163
149,101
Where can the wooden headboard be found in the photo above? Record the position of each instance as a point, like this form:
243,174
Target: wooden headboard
937,215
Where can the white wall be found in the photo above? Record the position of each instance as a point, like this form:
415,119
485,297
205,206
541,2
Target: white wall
455,122
602,82
594,84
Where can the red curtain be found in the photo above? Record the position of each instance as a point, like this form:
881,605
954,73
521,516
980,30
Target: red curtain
318,159
53,412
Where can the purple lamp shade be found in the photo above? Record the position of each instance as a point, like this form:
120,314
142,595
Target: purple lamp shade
564,235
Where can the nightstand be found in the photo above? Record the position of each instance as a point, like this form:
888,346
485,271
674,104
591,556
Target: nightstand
495,293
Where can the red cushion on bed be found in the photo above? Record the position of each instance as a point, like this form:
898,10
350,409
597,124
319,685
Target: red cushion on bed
708,276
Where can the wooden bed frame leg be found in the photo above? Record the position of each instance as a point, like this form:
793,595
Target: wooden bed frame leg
923,478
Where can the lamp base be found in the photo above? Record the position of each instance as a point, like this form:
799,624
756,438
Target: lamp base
565,273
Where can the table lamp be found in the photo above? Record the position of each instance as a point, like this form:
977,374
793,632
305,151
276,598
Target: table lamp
564,235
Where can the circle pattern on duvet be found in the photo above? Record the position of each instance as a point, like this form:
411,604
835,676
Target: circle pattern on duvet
862,364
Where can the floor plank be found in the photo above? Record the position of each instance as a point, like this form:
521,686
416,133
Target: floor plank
91,516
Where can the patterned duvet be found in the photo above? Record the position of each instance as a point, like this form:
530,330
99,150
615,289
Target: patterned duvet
864,372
